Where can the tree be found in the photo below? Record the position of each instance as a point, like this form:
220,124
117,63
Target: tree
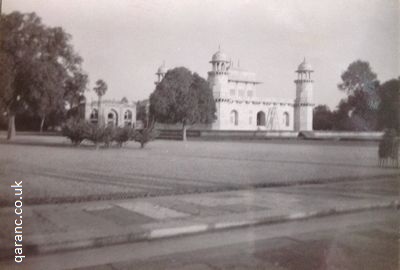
74,94
389,108
359,110
341,116
358,77
47,92
323,118
37,60
100,89
9,98
182,97
145,135
142,112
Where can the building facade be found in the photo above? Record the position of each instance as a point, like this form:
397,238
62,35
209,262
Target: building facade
239,107
112,112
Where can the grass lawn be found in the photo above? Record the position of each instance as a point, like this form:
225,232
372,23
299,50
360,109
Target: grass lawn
53,171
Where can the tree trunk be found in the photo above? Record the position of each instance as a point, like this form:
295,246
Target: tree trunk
184,132
42,123
99,114
11,126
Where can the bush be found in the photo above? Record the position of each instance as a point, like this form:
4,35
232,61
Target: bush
122,135
109,133
389,149
76,130
145,135
96,134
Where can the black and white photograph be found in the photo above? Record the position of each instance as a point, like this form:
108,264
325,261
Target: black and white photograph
199,134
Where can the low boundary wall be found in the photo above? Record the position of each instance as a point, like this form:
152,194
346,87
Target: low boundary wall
262,135
206,134
342,135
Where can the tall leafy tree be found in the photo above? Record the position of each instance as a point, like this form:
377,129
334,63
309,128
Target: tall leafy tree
358,77
389,108
100,89
39,61
142,112
323,118
74,93
8,98
182,97
360,108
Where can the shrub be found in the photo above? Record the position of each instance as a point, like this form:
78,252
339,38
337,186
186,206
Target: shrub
76,130
109,133
389,149
122,135
96,134
145,135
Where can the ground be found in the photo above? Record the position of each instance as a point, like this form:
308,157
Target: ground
358,241
53,171
221,189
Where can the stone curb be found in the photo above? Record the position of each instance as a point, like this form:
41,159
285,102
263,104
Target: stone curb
199,228
42,247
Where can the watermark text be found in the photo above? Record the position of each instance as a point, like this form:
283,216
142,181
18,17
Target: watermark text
19,256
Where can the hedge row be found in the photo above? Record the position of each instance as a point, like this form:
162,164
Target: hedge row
79,130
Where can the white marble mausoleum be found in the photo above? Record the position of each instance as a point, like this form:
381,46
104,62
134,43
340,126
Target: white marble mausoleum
240,108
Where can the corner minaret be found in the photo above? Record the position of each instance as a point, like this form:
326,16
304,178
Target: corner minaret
218,76
160,73
303,104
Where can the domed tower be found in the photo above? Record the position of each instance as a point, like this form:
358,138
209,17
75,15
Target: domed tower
303,104
218,76
160,73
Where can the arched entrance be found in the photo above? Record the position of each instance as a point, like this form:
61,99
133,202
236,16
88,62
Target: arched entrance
112,118
260,118
128,118
94,116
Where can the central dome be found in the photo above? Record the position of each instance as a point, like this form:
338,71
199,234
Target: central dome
220,57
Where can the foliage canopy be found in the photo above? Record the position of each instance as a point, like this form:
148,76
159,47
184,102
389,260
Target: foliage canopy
182,97
41,73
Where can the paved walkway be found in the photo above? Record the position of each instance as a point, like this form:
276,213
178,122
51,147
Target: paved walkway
50,228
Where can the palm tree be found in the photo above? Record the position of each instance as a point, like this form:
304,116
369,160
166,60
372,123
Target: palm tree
100,89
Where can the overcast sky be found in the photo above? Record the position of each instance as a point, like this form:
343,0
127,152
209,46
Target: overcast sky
125,41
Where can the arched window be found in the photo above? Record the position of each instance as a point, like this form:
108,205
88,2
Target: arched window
234,118
112,118
260,118
128,118
286,118
94,116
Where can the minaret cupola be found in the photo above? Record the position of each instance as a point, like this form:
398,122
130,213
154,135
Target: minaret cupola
220,62
160,73
304,71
